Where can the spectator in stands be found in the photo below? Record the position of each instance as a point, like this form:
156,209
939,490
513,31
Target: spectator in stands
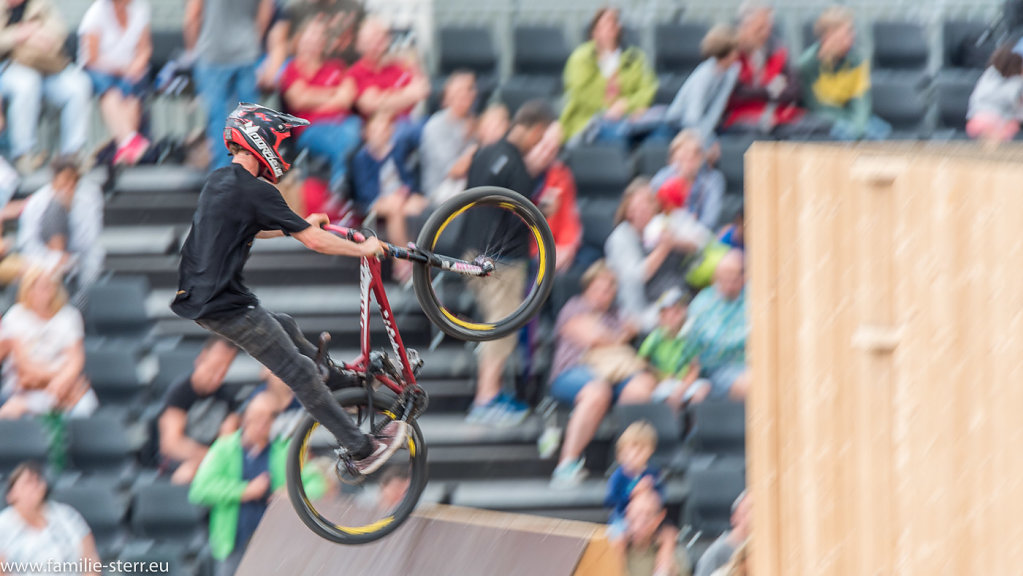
652,550
116,46
289,409
996,104
734,235
493,124
44,371
382,185
32,45
343,18
836,79
606,82
767,92
705,185
643,275
197,410
634,474
227,40
236,479
75,207
669,356
593,367
449,140
503,164
700,103
719,328
319,91
35,529
721,551
555,195
386,82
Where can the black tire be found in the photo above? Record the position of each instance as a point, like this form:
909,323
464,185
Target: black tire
320,525
542,284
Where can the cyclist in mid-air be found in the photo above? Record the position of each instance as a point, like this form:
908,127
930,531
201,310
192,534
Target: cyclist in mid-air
235,207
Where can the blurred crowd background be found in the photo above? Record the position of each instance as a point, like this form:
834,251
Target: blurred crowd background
125,434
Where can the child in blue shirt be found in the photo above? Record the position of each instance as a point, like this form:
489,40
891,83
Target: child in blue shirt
634,448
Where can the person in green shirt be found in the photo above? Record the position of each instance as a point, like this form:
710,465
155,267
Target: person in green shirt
236,479
666,349
606,82
836,79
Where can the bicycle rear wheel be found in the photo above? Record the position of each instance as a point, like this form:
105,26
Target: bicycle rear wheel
351,510
499,226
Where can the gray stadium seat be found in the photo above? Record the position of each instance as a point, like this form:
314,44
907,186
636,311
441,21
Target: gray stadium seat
20,441
668,86
719,428
540,51
112,369
163,178
952,96
600,171
100,445
518,90
966,40
103,510
162,512
116,307
677,47
597,215
649,158
708,509
900,46
167,45
732,162
899,100
470,48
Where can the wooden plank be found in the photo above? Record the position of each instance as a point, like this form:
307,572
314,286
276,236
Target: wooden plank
761,205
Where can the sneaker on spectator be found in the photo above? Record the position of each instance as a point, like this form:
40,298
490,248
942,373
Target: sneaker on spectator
569,474
482,413
510,412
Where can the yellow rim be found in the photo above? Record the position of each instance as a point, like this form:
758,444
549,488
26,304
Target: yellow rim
456,214
369,528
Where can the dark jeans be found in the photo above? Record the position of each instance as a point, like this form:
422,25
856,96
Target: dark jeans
275,341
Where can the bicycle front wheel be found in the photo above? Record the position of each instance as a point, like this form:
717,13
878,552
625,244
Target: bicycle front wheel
347,509
497,226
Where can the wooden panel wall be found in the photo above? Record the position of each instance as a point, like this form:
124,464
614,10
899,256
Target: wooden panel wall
886,416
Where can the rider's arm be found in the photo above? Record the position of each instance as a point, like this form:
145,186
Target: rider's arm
319,240
269,234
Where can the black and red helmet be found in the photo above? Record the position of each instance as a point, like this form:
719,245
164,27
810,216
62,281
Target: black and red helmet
261,130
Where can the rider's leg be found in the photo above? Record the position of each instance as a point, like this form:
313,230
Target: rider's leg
336,379
262,336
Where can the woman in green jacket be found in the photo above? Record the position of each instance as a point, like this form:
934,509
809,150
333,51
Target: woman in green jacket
606,82
236,479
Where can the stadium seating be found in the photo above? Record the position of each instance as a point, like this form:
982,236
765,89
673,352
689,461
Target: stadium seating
22,440
649,158
103,509
468,48
899,99
540,51
102,446
677,47
966,41
162,512
718,433
712,491
952,96
600,171
900,46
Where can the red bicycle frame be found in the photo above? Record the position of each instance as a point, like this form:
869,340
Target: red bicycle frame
371,284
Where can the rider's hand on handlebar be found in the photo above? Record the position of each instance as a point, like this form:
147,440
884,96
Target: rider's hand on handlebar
372,248
318,220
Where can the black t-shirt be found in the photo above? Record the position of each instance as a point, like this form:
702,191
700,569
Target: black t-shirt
233,207
501,164
205,413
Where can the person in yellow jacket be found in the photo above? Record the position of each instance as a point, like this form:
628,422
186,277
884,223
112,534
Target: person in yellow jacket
236,479
606,82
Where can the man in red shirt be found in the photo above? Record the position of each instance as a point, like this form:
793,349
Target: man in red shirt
320,91
385,82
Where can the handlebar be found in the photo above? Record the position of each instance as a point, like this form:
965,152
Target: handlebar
480,266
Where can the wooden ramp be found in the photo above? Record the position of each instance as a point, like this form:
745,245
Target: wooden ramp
436,541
